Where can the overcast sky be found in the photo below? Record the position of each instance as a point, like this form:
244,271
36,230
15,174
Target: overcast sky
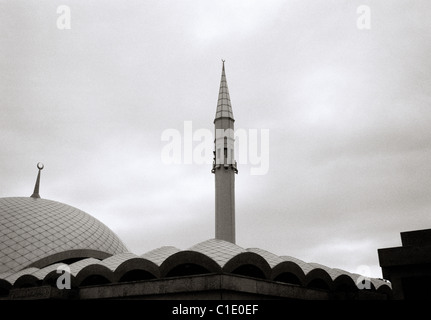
348,112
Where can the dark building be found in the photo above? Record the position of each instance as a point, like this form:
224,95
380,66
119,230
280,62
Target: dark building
408,267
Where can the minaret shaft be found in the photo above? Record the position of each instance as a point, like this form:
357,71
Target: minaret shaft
225,205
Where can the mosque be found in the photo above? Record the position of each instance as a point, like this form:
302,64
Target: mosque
50,250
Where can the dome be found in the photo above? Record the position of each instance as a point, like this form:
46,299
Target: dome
38,232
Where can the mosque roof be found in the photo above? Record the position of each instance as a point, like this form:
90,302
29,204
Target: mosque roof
212,256
35,231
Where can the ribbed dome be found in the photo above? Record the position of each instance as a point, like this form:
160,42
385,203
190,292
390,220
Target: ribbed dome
32,229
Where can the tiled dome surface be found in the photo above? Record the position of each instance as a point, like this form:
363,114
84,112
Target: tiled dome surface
31,229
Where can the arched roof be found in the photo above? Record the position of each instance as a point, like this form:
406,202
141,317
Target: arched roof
159,255
218,250
211,256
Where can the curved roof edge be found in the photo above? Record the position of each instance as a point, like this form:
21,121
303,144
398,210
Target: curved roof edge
210,256
69,255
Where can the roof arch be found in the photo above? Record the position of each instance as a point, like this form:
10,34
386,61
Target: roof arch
13,277
159,255
43,272
138,266
76,267
345,283
237,265
203,263
318,279
380,284
51,278
270,257
113,262
79,271
93,274
306,267
363,281
134,275
385,288
286,268
26,280
219,250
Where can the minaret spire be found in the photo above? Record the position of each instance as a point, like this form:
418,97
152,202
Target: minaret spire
35,194
224,106
224,166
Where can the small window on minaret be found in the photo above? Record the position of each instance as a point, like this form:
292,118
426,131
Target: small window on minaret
219,156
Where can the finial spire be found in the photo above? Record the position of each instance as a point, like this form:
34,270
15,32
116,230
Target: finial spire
35,194
224,107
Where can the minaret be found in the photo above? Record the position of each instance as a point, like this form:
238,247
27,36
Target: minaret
224,165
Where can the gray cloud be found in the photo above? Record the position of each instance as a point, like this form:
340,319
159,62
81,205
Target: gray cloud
347,109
